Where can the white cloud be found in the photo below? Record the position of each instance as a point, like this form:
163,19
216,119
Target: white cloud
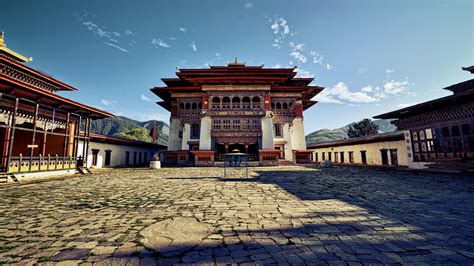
298,57
144,98
116,46
159,43
404,105
193,46
106,102
91,26
388,71
329,67
280,29
114,39
182,29
367,88
396,87
340,92
301,73
172,38
249,5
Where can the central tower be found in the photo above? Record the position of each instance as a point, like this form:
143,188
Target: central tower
221,109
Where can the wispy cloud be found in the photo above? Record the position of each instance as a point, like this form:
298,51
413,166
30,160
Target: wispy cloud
144,98
118,47
159,43
301,73
182,29
111,38
249,5
296,52
281,30
193,46
106,102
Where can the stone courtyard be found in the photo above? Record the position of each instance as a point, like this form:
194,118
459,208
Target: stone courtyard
291,214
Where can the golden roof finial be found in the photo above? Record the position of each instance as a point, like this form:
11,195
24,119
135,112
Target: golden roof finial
15,55
236,61
2,39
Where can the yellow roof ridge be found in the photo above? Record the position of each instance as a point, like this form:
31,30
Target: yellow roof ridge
5,49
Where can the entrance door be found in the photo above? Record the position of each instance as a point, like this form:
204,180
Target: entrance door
281,149
95,154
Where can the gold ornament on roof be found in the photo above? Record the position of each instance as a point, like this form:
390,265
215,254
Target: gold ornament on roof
11,53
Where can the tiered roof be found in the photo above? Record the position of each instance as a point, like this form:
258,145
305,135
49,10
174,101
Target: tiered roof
280,79
22,81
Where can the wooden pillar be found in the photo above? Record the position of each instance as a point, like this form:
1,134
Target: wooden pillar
66,138
33,137
45,134
87,133
12,136
76,137
6,139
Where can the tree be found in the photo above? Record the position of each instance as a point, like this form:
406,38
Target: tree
139,133
363,128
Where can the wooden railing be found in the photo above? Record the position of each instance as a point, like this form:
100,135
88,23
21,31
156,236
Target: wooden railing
21,164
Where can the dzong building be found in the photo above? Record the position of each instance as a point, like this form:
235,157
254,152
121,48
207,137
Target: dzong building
222,109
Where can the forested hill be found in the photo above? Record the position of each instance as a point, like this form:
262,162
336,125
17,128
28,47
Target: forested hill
327,135
120,126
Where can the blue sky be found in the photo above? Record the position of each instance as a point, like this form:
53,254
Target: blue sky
372,56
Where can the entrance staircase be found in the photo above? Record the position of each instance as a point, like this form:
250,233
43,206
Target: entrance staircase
285,163
6,178
84,171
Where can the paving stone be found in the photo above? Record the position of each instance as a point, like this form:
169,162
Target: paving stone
288,214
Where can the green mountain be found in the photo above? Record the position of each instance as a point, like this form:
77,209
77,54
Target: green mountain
327,135
120,124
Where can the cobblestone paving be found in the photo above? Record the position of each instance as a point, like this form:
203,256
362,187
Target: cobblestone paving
287,214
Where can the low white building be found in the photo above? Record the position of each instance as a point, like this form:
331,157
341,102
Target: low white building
107,151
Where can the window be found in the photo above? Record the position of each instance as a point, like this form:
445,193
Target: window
394,157
455,130
363,156
95,154
277,130
127,158
445,131
342,156
351,157
134,158
316,157
108,154
140,158
324,156
145,154
195,131
384,154
329,156
466,129
335,156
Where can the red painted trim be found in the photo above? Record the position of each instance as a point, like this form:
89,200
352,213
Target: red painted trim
39,74
56,97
